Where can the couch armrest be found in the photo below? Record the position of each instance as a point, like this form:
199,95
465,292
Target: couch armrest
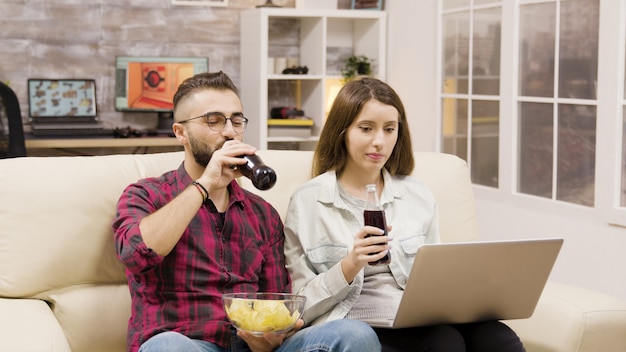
29,325
573,319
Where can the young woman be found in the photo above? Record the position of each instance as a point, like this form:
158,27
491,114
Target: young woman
366,140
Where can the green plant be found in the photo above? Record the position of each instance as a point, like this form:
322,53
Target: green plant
357,65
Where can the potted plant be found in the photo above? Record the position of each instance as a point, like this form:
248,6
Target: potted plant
357,65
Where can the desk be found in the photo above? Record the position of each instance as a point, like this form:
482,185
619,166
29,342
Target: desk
107,145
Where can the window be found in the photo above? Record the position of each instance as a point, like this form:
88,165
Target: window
558,118
470,97
558,67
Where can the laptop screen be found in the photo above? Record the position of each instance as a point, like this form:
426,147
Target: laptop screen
62,100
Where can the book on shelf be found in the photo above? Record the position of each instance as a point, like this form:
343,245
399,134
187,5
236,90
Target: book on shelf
290,122
300,128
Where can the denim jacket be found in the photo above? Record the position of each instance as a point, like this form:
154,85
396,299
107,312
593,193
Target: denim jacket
320,230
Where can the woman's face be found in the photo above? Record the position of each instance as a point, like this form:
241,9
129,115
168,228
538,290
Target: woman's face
371,137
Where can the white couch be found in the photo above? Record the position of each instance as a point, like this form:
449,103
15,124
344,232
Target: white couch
63,289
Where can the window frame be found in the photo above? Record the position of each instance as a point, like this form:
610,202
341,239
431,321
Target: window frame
470,96
610,102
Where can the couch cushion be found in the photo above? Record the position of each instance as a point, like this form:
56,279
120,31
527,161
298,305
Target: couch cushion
55,218
570,318
29,325
94,317
447,176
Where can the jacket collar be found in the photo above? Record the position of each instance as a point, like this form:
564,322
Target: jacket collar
329,192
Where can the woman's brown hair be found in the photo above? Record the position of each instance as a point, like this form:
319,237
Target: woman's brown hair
331,152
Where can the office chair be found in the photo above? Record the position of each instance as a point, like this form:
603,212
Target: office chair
11,139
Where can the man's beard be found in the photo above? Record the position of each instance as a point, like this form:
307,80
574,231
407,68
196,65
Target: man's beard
202,153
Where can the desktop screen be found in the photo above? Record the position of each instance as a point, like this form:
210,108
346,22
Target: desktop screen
149,83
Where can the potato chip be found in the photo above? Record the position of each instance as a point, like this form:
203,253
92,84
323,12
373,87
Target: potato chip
261,316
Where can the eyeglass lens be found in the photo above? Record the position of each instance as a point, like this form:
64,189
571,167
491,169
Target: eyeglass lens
217,122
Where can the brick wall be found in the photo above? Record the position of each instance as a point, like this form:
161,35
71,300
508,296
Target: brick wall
80,39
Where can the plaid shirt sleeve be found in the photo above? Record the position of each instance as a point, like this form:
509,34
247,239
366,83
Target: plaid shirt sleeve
136,202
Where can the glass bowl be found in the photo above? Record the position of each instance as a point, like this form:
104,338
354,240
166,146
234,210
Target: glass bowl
258,313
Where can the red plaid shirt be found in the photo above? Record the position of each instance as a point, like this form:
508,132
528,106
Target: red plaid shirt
182,291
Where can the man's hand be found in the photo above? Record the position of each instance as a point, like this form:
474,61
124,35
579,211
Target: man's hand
269,341
221,171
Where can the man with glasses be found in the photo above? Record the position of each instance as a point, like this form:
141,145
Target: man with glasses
192,234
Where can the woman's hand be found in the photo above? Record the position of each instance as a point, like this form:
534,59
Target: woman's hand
368,247
269,341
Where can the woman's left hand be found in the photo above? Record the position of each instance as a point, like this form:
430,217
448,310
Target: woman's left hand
269,341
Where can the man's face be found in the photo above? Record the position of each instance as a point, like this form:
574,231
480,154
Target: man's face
203,141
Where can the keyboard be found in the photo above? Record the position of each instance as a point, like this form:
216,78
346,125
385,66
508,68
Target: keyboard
71,131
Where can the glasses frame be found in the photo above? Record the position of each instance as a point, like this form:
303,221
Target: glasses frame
226,119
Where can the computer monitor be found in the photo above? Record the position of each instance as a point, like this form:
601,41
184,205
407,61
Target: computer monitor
148,83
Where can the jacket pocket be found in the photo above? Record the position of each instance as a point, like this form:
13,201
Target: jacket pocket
325,256
411,243
409,246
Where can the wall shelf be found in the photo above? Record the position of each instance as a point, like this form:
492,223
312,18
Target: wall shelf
320,40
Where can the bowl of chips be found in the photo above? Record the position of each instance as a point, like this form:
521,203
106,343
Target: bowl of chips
258,313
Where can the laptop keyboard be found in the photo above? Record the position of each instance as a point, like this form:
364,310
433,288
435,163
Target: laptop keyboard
72,132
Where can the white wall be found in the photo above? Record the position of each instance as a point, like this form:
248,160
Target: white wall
594,253
411,61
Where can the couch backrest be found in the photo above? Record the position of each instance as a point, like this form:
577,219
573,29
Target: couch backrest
55,213
446,175
55,218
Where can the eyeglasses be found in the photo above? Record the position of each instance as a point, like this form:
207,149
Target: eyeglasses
217,121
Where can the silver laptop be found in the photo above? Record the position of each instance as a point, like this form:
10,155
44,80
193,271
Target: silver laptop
63,106
457,283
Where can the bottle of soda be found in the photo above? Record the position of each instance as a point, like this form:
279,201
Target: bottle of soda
374,215
262,176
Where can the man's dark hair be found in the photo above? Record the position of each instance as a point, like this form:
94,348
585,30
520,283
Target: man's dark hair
206,80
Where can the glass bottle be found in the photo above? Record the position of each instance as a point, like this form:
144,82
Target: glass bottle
374,215
262,176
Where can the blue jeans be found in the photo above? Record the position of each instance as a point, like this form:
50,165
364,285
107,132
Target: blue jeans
342,335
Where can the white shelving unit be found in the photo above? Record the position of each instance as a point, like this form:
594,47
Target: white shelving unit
322,35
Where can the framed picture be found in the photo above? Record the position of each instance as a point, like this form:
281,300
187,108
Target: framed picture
220,3
367,4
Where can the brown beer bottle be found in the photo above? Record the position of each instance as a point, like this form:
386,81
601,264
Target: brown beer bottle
374,215
262,176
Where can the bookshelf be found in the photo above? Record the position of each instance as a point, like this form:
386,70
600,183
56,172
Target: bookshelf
321,40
